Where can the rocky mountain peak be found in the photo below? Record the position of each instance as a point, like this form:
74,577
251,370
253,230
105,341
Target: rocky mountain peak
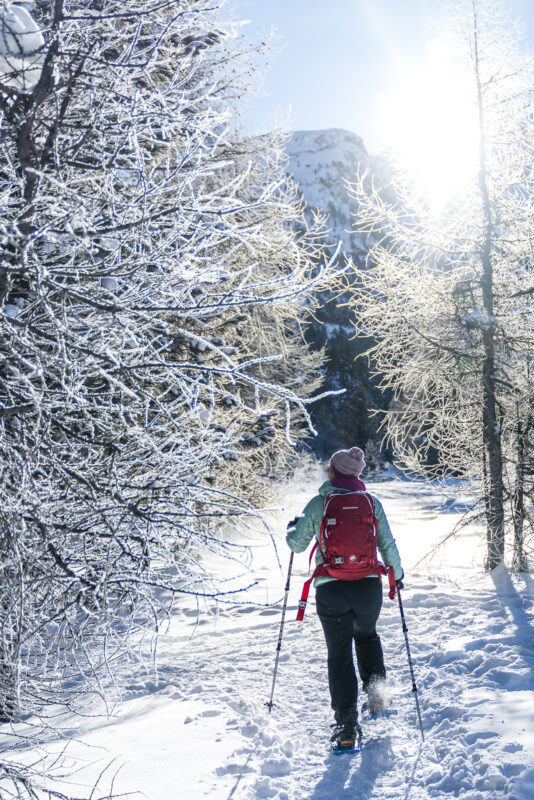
320,162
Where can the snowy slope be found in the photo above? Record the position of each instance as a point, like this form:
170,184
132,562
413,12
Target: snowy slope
320,161
201,729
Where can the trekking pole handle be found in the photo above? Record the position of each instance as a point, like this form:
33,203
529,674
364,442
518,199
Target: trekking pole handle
289,575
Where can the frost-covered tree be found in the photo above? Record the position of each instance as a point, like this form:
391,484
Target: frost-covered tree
150,313
448,297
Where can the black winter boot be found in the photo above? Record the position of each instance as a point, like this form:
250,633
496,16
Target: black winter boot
347,733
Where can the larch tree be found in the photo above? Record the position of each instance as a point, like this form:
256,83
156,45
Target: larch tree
447,294
151,299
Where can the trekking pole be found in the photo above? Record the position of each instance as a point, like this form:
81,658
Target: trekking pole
410,662
279,645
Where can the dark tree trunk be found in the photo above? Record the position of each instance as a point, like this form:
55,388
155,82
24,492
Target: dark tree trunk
519,562
494,494
9,624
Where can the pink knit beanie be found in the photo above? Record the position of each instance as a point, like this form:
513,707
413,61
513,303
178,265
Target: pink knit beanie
348,462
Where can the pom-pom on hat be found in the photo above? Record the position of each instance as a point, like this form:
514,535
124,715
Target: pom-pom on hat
348,462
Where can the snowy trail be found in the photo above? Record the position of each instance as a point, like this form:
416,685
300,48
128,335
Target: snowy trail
476,677
204,731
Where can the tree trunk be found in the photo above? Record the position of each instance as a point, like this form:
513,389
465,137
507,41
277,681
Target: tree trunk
519,562
8,648
491,430
492,443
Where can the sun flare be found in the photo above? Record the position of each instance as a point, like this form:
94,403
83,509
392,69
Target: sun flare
432,127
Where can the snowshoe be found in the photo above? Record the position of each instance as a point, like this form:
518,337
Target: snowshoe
378,714
346,738
338,750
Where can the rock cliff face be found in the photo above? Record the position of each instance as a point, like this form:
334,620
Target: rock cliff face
321,162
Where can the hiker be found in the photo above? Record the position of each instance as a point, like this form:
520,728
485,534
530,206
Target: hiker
349,609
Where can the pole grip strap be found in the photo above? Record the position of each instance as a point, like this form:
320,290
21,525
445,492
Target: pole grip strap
392,583
390,572
304,599
320,570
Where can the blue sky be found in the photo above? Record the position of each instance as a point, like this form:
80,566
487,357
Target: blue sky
340,57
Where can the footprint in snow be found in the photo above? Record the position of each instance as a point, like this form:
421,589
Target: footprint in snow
513,747
171,691
234,769
473,738
492,780
250,729
263,789
452,712
239,706
276,767
513,770
268,739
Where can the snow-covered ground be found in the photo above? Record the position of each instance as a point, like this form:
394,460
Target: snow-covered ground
202,730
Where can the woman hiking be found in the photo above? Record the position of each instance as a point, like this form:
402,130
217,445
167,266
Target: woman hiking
349,609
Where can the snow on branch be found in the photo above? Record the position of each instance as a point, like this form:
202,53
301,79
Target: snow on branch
153,378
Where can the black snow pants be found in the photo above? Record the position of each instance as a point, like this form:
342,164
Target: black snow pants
348,611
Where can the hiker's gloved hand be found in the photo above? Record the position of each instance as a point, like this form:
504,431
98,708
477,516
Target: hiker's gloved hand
399,582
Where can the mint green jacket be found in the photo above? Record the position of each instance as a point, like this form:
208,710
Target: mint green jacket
301,532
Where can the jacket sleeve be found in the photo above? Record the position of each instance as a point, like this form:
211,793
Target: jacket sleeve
302,529
387,546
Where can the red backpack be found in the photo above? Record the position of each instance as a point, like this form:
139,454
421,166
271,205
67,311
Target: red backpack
347,542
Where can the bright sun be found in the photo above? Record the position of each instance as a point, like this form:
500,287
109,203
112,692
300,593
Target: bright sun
432,129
